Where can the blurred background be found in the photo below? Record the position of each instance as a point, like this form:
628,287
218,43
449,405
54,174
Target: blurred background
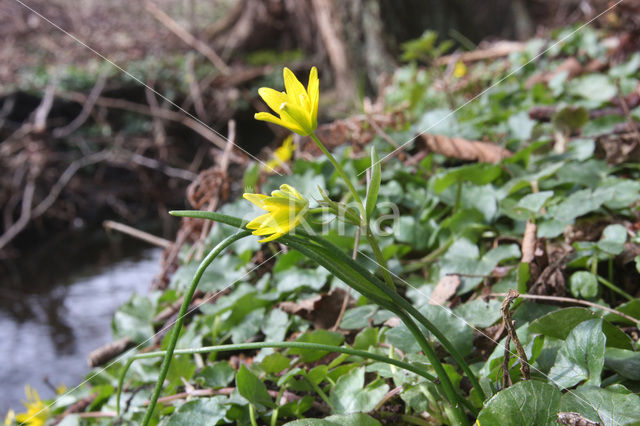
84,140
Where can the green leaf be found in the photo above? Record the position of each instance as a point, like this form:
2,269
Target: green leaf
609,407
274,363
318,336
355,419
533,202
558,324
593,87
458,332
613,239
250,387
296,278
583,284
479,313
631,308
577,204
523,404
251,176
348,395
134,319
364,339
216,375
520,125
201,411
581,358
374,184
479,174
624,362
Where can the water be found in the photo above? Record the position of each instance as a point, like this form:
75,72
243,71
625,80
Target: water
56,313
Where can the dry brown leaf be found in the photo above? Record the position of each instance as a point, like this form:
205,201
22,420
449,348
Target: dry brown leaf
322,310
447,287
464,149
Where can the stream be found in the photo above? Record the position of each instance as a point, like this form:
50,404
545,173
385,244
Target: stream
54,310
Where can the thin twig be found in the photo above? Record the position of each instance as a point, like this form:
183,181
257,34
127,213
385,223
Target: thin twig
42,112
188,38
508,323
506,375
87,107
571,300
164,113
54,192
136,233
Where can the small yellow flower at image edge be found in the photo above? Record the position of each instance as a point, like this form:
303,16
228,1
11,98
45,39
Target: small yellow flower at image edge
297,107
286,208
37,412
282,154
459,70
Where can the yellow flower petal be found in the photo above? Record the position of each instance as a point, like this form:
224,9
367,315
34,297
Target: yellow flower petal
299,116
271,238
272,97
291,190
313,87
257,199
295,89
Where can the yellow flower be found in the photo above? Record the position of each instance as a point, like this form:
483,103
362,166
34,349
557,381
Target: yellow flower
282,154
286,208
37,412
459,70
11,416
297,106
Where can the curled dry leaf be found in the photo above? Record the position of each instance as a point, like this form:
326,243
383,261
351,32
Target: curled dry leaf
464,149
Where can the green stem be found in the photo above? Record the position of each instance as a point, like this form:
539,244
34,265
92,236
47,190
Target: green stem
274,413
339,169
175,333
352,277
452,395
380,258
334,251
252,415
614,287
428,259
260,345
319,391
